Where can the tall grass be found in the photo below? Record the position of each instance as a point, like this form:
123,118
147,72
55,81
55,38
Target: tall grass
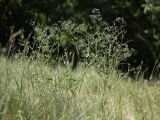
31,90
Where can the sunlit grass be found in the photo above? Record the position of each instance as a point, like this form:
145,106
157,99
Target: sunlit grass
32,90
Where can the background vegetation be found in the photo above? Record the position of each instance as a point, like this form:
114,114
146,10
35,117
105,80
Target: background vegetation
142,22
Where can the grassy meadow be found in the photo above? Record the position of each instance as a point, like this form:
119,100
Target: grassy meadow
32,90
33,87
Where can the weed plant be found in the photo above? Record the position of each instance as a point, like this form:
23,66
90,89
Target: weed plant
95,43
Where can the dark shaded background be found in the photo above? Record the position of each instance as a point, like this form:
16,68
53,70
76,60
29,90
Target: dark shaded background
142,20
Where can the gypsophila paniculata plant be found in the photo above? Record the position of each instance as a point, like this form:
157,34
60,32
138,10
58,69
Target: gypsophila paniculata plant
97,43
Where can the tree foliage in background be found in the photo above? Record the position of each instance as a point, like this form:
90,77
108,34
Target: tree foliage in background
142,18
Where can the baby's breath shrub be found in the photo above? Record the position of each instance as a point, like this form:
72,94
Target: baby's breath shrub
95,43
105,48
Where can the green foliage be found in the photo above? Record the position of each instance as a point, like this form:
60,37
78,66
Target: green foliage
152,10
